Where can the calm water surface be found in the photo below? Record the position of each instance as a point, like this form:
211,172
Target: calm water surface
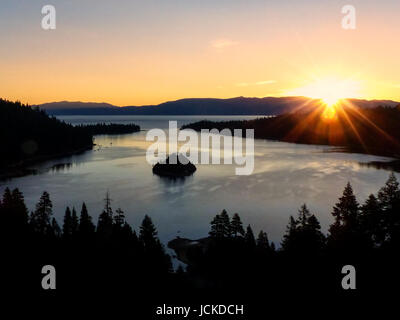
285,176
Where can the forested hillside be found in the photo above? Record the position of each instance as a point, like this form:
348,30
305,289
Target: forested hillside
28,133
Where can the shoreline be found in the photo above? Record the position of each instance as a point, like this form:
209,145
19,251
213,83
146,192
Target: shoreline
22,168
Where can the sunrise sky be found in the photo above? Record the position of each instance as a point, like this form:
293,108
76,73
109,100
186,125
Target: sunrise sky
150,51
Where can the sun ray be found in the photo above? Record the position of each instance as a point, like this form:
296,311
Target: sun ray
356,110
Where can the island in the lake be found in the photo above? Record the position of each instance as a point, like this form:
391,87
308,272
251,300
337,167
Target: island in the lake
175,166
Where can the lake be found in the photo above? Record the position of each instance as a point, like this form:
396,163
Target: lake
285,176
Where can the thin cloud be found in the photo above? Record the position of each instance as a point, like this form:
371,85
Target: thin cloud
258,83
223,43
261,83
242,84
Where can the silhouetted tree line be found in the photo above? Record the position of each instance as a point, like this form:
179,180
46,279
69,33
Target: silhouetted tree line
29,134
109,254
110,128
366,236
373,131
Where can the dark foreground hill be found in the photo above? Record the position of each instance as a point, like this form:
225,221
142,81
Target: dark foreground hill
200,106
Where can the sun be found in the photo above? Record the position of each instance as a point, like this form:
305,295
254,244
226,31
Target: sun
329,112
330,90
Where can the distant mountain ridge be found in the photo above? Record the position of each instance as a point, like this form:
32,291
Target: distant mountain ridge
203,106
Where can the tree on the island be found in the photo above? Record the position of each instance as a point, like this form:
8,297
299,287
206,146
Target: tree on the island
389,201
237,226
249,237
40,218
86,227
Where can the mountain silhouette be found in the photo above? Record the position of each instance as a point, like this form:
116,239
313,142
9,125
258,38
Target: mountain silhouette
203,106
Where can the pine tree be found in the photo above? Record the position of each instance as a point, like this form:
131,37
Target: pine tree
262,241
225,224
237,226
154,251
74,222
105,223
303,235
389,201
14,215
127,234
119,218
40,218
389,195
67,225
148,233
221,226
249,237
347,209
304,215
216,227
55,229
86,227
20,210
371,221
314,239
290,235
345,233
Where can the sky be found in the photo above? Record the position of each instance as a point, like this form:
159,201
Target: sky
130,52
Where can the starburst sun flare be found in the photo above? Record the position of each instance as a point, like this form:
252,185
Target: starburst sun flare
330,90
